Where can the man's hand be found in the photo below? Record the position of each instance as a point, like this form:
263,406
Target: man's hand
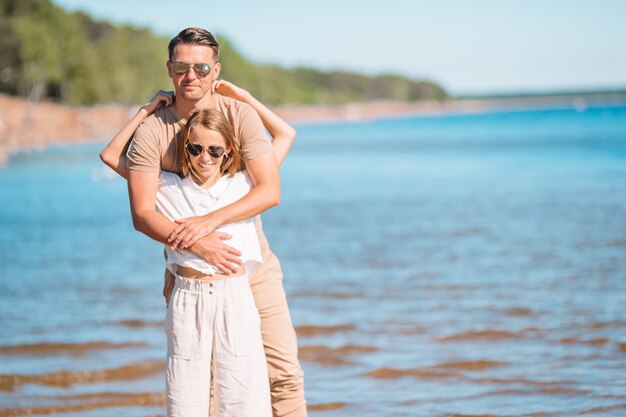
189,230
213,250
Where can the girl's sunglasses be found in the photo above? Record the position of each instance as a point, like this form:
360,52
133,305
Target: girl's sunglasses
214,152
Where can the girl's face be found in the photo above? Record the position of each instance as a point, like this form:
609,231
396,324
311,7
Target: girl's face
206,149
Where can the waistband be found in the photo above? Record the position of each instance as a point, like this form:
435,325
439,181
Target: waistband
213,286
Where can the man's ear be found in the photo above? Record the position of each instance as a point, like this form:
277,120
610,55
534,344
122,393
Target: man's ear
217,68
168,65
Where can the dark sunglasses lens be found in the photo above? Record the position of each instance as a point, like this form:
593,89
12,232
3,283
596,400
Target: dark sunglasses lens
202,69
180,67
194,149
216,151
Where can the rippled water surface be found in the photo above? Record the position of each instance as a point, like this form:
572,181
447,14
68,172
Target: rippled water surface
446,266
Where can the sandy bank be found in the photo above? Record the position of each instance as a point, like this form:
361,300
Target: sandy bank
30,125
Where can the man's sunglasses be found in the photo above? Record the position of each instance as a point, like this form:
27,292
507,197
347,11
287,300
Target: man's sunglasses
214,152
181,68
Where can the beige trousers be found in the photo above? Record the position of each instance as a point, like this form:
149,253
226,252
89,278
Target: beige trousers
279,337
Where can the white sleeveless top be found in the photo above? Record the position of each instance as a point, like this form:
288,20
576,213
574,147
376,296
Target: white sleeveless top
179,198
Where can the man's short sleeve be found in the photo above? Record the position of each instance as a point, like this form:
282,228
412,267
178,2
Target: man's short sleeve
144,151
254,139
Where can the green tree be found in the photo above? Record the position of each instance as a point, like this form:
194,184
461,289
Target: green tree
46,52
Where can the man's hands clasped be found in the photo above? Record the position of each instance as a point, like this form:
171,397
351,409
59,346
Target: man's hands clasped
212,249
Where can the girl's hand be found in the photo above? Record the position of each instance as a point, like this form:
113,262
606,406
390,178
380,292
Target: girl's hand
161,98
229,89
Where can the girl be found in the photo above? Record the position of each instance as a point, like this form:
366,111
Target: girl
212,321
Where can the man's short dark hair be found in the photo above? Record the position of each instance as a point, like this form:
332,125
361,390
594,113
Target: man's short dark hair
195,36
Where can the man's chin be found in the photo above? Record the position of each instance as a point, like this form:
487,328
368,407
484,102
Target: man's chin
191,95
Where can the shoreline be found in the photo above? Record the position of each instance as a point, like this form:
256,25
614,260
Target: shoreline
374,110
26,125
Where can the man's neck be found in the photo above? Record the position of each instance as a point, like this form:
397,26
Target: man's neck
184,108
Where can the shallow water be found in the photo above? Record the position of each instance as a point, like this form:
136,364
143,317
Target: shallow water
440,266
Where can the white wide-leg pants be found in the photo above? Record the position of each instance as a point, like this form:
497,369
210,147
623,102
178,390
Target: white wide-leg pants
215,320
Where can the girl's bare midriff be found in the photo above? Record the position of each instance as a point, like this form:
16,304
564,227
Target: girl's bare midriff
186,272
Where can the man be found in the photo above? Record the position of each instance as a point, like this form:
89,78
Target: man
193,66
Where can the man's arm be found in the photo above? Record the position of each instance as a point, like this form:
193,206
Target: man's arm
264,194
264,173
142,191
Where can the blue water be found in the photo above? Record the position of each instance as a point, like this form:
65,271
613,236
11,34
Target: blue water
497,240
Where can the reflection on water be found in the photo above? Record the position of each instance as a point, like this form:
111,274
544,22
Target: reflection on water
447,266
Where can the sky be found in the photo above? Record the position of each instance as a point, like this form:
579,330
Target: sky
468,47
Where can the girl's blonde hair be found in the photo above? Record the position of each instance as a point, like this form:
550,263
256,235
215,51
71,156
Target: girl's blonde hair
232,161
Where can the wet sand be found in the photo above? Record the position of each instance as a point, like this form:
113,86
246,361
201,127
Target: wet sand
317,330
91,402
73,349
9,382
477,372
324,355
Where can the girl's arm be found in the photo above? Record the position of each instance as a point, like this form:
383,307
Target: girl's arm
282,133
114,154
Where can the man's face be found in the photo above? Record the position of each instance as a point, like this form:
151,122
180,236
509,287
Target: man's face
190,85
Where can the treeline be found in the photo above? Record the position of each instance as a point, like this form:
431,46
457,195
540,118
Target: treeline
46,52
49,53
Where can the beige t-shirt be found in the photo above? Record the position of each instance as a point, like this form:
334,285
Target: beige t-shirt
154,145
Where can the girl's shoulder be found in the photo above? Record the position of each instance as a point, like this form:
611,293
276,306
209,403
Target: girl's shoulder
169,178
242,177
237,184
